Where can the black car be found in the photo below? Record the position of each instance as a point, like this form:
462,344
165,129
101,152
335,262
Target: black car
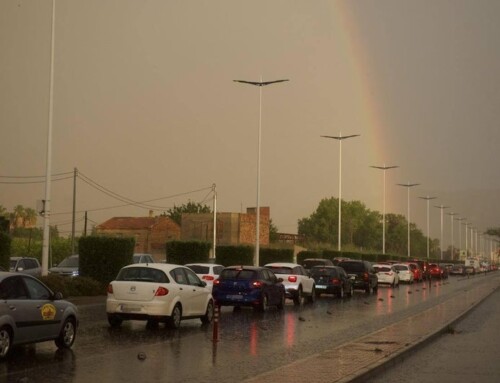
362,273
331,280
249,286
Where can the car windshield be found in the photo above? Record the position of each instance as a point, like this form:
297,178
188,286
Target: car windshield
352,266
69,262
199,269
281,269
323,271
142,274
238,274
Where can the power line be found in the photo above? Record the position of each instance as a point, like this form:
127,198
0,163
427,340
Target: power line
33,182
54,175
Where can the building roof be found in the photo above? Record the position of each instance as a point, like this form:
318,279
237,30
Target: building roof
131,223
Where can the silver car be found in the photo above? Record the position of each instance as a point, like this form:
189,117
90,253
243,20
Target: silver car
26,265
69,266
30,312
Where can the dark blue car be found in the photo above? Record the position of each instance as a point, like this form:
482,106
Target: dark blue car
253,286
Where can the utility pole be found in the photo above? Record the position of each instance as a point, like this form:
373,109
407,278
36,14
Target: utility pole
75,172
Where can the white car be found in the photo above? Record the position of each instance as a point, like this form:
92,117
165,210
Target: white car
404,272
298,284
207,272
158,292
387,274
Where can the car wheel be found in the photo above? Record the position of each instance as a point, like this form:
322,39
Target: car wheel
312,297
351,291
5,341
281,304
114,320
298,298
340,293
264,303
67,335
174,321
209,314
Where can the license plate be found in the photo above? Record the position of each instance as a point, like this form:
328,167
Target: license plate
235,297
321,287
130,308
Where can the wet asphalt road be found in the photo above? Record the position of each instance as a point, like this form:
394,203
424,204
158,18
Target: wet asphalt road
250,342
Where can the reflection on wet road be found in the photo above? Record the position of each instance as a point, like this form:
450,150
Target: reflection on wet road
249,342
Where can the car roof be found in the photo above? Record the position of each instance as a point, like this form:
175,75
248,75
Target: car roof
382,264
160,266
326,267
282,264
202,264
247,267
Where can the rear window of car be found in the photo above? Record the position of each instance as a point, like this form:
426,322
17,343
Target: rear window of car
401,267
308,263
326,271
142,274
281,269
352,266
383,269
69,262
199,269
238,274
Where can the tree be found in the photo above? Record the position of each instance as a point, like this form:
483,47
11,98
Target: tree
495,231
175,214
273,231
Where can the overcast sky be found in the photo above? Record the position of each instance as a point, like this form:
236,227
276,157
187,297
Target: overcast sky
145,105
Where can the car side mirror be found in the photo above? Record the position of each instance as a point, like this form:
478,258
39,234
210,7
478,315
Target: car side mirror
58,296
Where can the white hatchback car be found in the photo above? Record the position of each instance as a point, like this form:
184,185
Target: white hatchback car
387,274
207,272
298,284
158,292
404,272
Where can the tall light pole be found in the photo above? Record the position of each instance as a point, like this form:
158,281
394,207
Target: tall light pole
452,241
427,198
339,138
384,168
408,185
260,84
460,233
48,171
441,207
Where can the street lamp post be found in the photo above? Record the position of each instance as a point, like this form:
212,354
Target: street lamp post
441,207
260,84
384,168
48,171
339,138
452,239
460,233
427,198
408,186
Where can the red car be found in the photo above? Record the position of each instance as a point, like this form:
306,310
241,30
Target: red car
437,272
418,274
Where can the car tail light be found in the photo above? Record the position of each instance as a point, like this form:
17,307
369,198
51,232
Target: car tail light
257,284
292,278
208,278
217,282
110,289
162,291
335,281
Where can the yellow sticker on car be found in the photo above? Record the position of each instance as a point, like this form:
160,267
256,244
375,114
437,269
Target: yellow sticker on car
48,312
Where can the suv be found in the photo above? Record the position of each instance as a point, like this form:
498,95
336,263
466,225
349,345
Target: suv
362,274
26,265
310,262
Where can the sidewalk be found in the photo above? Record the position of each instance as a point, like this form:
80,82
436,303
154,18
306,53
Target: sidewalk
364,357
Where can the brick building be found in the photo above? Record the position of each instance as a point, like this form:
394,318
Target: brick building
150,233
232,228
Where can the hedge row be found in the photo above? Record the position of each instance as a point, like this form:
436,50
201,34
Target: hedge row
5,242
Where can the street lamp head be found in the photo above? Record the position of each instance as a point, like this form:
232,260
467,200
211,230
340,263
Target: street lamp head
427,198
408,185
384,167
260,83
341,137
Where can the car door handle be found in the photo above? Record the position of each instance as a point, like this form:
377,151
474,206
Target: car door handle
11,307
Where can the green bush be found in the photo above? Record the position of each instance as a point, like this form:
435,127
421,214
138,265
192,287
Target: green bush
73,286
101,258
182,252
234,255
267,255
308,254
5,242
